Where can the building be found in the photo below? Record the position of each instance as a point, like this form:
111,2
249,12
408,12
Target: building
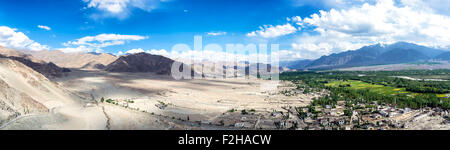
384,113
324,122
376,116
239,125
341,121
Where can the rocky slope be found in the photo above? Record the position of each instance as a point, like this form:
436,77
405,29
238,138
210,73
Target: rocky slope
47,69
24,91
30,101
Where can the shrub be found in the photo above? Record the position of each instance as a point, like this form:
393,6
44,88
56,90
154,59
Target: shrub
244,112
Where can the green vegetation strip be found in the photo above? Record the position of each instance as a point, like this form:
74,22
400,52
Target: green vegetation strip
368,86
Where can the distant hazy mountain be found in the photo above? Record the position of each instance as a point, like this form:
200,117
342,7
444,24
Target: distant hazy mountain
443,56
296,64
378,54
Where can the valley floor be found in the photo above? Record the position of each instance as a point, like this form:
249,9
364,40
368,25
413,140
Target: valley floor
147,101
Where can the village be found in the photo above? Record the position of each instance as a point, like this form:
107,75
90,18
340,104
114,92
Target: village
365,117
342,116
296,116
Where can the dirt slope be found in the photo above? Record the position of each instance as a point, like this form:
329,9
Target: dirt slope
26,94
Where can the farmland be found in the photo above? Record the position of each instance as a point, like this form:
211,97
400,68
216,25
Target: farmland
380,86
381,89
381,100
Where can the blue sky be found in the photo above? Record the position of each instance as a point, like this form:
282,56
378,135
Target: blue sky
303,28
165,26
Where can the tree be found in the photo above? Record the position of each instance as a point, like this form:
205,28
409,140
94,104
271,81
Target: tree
306,91
348,112
244,112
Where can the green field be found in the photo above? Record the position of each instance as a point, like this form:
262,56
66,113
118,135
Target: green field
380,86
381,89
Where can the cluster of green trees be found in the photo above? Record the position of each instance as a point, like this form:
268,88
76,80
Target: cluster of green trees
108,100
365,96
324,101
425,90
416,86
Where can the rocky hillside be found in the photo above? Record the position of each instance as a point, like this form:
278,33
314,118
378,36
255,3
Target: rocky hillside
24,91
47,69
142,62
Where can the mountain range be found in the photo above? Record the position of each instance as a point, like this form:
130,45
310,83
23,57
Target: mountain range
378,54
443,56
89,60
296,64
48,69
55,63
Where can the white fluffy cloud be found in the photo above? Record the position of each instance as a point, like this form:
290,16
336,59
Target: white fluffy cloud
120,8
9,37
44,27
96,43
382,22
134,51
270,31
81,48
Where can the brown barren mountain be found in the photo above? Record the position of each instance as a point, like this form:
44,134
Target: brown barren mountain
142,62
29,100
74,60
47,69
24,91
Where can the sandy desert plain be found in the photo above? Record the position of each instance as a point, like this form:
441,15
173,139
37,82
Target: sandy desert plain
149,101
